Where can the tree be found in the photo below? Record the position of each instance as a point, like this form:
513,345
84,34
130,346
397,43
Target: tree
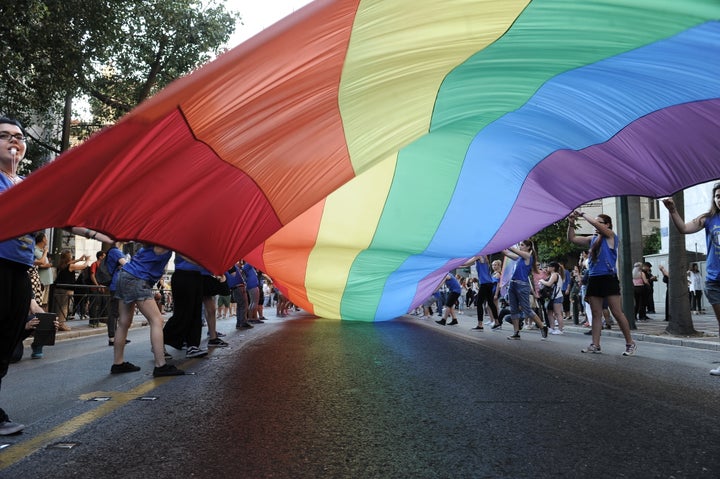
680,321
165,40
652,243
552,244
117,53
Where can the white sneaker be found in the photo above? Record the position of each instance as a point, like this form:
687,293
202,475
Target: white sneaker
715,372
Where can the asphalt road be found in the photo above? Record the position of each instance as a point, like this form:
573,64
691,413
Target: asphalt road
406,398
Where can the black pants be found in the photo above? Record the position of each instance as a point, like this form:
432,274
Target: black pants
15,295
640,293
485,295
185,325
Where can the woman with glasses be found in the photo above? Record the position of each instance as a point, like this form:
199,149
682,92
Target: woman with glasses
603,283
16,257
709,221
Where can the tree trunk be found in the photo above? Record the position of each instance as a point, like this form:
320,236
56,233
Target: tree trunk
680,320
56,242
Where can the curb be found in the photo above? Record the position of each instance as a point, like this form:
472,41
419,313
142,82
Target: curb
710,343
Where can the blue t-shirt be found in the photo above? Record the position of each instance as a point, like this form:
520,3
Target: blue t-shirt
606,258
452,284
712,238
113,256
521,271
147,265
251,279
483,271
182,264
234,277
22,249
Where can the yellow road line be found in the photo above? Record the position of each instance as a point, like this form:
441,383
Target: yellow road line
15,453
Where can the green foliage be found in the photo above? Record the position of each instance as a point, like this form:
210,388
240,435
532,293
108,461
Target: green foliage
552,243
115,52
652,243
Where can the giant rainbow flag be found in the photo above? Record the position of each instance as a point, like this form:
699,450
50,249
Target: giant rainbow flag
358,150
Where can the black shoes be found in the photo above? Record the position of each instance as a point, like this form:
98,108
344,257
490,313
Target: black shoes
453,322
125,367
441,322
167,370
544,331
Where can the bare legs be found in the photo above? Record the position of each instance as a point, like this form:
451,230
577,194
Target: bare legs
150,310
615,305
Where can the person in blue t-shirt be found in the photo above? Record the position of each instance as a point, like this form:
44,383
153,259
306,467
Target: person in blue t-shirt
135,288
710,222
16,257
519,289
185,325
603,283
252,286
454,290
114,259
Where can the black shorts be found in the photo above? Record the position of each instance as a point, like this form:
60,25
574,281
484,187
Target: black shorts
451,299
603,286
212,286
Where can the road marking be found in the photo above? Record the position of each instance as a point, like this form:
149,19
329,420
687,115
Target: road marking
21,450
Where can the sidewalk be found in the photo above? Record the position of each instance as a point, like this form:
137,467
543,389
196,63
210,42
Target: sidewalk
651,331
654,331
81,328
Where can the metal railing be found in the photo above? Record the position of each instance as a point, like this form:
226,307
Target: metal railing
89,302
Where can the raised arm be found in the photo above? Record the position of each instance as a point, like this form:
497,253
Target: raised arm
685,228
571,236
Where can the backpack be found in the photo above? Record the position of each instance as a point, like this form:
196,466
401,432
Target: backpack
102,273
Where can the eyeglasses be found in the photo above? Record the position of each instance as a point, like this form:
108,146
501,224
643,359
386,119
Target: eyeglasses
5,136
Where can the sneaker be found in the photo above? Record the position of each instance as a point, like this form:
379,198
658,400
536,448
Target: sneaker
477,328
591,349
125,367
453,322
496,326
715,372
255,321
167,370
514,336
544,331
9,427
195,352
217,343
441,322
218,333
555,331
244,325
630,349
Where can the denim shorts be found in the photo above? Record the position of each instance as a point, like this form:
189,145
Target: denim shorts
130,289
712,292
